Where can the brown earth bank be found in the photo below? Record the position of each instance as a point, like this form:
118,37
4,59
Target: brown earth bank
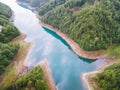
20,68
93,55
47,75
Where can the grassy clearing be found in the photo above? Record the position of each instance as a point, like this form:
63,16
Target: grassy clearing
24,46
9,77
114,51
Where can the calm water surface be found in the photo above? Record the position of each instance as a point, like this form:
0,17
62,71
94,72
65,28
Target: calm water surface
66,67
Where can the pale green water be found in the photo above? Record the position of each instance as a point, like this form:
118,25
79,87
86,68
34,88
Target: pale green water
66,67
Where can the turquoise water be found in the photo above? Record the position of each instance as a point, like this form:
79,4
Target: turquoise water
24,6
66,67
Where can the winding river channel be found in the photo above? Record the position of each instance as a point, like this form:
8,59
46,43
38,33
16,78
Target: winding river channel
66,67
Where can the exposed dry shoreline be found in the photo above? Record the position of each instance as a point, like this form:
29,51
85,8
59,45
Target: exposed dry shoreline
74,46
86,76
20,68
47,74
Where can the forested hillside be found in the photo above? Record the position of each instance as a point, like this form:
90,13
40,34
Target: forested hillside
68,4
42,10
93,24
7,32
32,81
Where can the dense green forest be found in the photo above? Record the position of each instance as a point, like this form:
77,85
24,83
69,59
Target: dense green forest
7,53
109,79
68,4
5,11
7,33
42,10
93,24
32,81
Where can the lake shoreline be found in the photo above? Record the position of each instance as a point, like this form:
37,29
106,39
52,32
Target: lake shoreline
93,55
47,74
89,85
20,68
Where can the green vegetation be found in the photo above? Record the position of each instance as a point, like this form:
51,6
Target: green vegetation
109,79
114,51
9,75
7,33
7,53
42,10
94,26
77,3
5,11
32,81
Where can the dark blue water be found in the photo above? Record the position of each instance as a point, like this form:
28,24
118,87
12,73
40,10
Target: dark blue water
66,67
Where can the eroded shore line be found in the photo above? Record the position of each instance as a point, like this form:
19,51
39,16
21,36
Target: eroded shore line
20,68
47,74
93,55
86,77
